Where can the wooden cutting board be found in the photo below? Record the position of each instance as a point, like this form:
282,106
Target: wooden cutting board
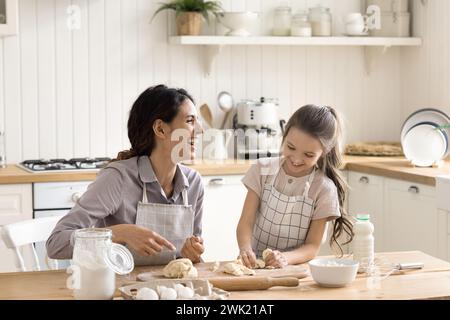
204,272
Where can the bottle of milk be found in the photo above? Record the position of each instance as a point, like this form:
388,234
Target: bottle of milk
95,262
363,242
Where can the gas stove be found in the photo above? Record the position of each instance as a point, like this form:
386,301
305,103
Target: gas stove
57,165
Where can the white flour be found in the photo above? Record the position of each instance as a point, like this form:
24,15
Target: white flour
97,280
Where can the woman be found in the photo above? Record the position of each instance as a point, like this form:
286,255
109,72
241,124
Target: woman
152,204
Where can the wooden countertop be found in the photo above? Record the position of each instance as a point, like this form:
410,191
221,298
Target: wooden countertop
391,167
432,282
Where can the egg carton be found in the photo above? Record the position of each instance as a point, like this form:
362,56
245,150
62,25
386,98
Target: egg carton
203,289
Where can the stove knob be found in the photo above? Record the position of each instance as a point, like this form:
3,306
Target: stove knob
76,196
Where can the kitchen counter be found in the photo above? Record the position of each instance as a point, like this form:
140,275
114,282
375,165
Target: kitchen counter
432,282
391,167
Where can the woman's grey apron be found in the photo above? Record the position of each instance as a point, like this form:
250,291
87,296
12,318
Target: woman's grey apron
171,221
283,221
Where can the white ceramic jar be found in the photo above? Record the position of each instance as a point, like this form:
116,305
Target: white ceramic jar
95,262
320,18
301,27
282,21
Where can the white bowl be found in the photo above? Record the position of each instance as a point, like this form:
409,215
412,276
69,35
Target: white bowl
238,22
333,273
424,144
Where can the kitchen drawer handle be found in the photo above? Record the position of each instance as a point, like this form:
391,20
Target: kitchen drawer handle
414,189
216,182
364,180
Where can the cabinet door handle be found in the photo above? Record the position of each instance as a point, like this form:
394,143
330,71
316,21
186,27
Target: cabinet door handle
216,182
414,189
364,180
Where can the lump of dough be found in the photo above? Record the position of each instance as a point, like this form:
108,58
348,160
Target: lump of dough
266,253
260,264
236,268
180,269
215,266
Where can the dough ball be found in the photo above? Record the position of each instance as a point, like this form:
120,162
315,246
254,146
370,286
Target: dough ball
266,253
180,269
237,269
260,264
146,294
215,266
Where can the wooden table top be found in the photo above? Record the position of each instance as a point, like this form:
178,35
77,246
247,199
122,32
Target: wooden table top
432,282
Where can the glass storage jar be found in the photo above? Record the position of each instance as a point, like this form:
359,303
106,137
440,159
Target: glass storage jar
320,18
95,262
301,27
282,21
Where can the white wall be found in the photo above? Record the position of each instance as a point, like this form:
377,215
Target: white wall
426,70
67,93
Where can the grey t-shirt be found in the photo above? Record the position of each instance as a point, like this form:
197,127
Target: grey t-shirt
113,198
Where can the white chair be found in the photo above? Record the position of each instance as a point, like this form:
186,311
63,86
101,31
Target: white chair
25,234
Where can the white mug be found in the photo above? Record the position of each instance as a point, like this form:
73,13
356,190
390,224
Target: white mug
355,24
355,29
354,18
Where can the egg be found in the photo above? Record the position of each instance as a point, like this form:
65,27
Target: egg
185,293
147,294
168,294
160,289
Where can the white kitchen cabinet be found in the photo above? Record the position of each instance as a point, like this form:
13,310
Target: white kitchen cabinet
15,206
16,203
411,217
366,196
222,206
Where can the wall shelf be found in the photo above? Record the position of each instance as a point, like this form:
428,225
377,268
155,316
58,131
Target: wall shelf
214,44
295,41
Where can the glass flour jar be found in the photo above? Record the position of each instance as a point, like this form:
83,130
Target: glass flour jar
320,18
282,21
301,27
95,262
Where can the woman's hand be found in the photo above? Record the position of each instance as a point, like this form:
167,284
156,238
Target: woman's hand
193,249
142,240
276,259
248,257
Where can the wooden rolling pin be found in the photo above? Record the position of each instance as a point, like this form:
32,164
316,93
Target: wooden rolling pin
252,283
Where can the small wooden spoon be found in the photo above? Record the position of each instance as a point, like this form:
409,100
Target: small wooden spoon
205,111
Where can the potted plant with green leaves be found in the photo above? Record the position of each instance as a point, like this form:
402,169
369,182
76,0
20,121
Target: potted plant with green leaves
190,14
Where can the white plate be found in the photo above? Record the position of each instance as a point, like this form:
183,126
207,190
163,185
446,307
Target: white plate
424,144
426,115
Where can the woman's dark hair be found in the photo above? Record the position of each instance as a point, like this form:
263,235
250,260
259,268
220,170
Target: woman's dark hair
324,124
158,102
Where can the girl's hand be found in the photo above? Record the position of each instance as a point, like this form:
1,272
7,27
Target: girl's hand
193,249
248,257
276,259
142,240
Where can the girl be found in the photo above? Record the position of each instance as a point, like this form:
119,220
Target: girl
151,203
291,199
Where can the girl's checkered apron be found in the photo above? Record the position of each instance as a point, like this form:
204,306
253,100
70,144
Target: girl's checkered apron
282,222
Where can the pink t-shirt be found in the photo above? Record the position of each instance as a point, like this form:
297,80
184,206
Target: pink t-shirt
323,190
